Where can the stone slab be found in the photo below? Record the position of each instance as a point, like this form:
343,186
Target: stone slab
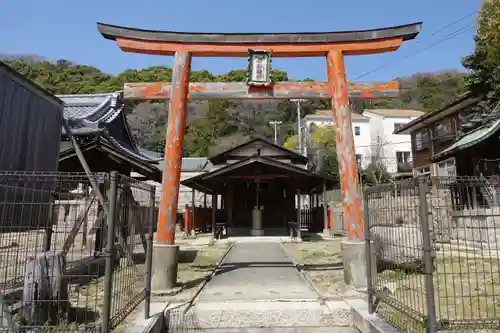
241,314
281,330
153,324
257,271
366,322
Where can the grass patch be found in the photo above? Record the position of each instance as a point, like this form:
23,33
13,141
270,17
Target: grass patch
321,262
192,274
466,288
391,276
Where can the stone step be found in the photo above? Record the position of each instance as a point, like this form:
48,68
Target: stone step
282,330
260,314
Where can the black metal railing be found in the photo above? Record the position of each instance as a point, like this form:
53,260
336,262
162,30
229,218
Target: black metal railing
433,258
73,257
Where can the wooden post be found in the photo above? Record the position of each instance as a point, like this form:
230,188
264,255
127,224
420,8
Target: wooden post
348,169
214,211
5,316
192,227
173,149
132,222
44,288
325,211
299,215
229,207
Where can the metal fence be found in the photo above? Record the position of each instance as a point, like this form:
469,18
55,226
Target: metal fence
434,254
70,258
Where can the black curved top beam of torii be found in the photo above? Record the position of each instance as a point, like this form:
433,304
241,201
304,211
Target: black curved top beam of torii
406,32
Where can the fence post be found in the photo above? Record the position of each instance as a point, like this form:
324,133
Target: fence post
149,255
428,257
369,258
110,249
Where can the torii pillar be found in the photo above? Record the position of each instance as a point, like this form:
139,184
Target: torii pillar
333,45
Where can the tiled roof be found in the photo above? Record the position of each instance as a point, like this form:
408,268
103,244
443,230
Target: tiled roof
93,113
92,107
470,139
191,164
195,164
328,114
395,112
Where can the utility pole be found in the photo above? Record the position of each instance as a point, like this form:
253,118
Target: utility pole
275,123
299,125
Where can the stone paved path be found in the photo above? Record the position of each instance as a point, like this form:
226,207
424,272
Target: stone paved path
257,271
257,289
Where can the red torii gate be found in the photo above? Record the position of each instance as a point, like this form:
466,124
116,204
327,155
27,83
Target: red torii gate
332,45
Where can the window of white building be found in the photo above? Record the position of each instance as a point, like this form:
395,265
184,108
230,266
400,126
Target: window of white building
359,160
423,171
447,168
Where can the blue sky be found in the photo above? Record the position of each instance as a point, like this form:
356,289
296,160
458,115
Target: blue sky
65,29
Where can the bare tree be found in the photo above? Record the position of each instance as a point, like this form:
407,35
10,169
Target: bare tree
376,171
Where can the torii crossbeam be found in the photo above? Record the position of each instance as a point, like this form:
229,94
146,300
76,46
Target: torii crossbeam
332,45
280,90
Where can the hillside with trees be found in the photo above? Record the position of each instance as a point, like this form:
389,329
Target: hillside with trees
216,125
484,62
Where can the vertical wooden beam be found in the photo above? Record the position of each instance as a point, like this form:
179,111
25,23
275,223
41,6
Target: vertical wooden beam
325,210
192,227
214,213
348,169
299,215
173,148
229,207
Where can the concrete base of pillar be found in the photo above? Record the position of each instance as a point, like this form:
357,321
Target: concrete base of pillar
193,233
355,265
326,233
257,232
165,261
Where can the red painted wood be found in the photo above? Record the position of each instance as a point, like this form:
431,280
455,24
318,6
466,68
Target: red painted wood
173,149
348,169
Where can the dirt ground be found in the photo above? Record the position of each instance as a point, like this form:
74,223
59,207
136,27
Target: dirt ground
86,287
196,263
467,285
321,262
198,258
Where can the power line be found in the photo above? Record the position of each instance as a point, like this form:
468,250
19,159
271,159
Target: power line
449,36
446,27
425,48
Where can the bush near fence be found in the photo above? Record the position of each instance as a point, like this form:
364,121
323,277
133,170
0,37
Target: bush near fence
434,254
65,264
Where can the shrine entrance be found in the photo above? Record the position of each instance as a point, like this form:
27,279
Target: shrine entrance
261,187
258,47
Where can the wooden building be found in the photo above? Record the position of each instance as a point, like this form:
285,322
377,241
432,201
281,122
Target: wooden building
259,177
30,124
434,133
99,124
30,132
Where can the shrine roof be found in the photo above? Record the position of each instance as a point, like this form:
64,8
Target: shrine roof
406,32
257,167
101,115
469,140
257,143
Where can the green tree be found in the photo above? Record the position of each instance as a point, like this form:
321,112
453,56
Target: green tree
291,142
484,62
211,122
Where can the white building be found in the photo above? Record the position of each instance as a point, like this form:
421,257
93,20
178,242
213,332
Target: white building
373,138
